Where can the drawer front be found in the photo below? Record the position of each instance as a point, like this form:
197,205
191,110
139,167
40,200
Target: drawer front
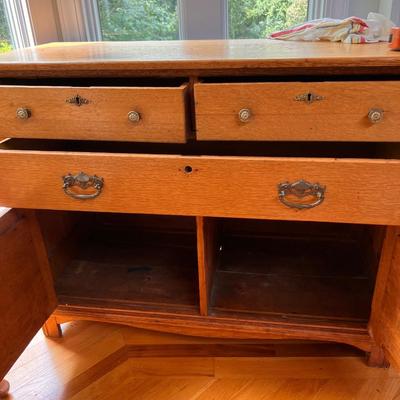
126,114
332,111
360,191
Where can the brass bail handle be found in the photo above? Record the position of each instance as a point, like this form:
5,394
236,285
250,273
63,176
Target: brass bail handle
301,189
84,182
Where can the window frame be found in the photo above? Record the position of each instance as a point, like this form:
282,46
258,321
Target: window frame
79,20
395,12
20,24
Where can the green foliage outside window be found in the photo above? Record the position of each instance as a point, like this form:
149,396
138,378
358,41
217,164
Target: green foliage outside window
5,40
259,18
158,19
139,19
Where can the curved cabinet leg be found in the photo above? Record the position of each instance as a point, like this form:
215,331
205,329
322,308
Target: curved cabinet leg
376,358
4,388
52,329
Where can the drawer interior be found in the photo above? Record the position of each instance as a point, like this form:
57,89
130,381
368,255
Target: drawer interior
96,82
263,149
216,267
303,270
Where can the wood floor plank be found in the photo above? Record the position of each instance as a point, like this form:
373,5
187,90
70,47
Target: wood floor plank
93,361
340,389
299,389
119,376
380,389
226,389
121,383
167,388
57,361
172,366
299,367
260,389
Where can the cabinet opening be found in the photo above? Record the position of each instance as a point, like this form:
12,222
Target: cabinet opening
292,271
121,261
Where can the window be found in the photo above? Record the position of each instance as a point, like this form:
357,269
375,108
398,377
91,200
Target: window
259,18
138,19
15,25
159,19
80,20
5,35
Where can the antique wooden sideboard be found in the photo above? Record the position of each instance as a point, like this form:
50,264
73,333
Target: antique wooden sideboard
236,189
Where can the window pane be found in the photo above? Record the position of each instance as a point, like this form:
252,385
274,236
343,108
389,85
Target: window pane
139,19
5,37
259,18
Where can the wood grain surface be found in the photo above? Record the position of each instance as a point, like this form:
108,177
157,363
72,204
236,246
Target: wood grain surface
352,333
207,252
188,55
104,361
340,115
385,319
293,275
27,297
105,117
357,190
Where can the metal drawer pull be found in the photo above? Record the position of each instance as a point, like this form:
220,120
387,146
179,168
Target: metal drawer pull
84,182
301,189
134,116
244,115
23,113
375,115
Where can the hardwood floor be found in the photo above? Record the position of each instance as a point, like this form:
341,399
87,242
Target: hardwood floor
102,361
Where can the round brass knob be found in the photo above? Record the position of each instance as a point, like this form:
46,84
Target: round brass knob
23,113
244,115
375,115
134,116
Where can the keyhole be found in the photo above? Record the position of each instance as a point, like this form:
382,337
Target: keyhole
309,97
188,169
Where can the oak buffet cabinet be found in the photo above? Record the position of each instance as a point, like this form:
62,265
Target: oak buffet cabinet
236,189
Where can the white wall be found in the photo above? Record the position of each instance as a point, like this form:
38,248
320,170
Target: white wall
389,8
361,8
45,22
385,7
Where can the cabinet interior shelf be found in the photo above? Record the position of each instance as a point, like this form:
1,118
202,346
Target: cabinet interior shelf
214,267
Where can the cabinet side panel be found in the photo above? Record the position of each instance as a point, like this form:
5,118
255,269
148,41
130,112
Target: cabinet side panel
385,317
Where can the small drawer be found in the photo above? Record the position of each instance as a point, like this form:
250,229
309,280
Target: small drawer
314,111
146,114
277,188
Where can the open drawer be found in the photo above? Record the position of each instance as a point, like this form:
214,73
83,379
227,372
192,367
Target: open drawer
124,113
324,111
362,190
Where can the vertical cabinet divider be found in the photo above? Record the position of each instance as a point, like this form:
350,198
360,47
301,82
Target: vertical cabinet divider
208,258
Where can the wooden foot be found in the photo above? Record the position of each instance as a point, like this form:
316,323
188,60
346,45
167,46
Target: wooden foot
51,329
377,358
4,388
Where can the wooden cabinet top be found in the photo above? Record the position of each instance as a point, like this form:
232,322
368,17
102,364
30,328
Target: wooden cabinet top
195,57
